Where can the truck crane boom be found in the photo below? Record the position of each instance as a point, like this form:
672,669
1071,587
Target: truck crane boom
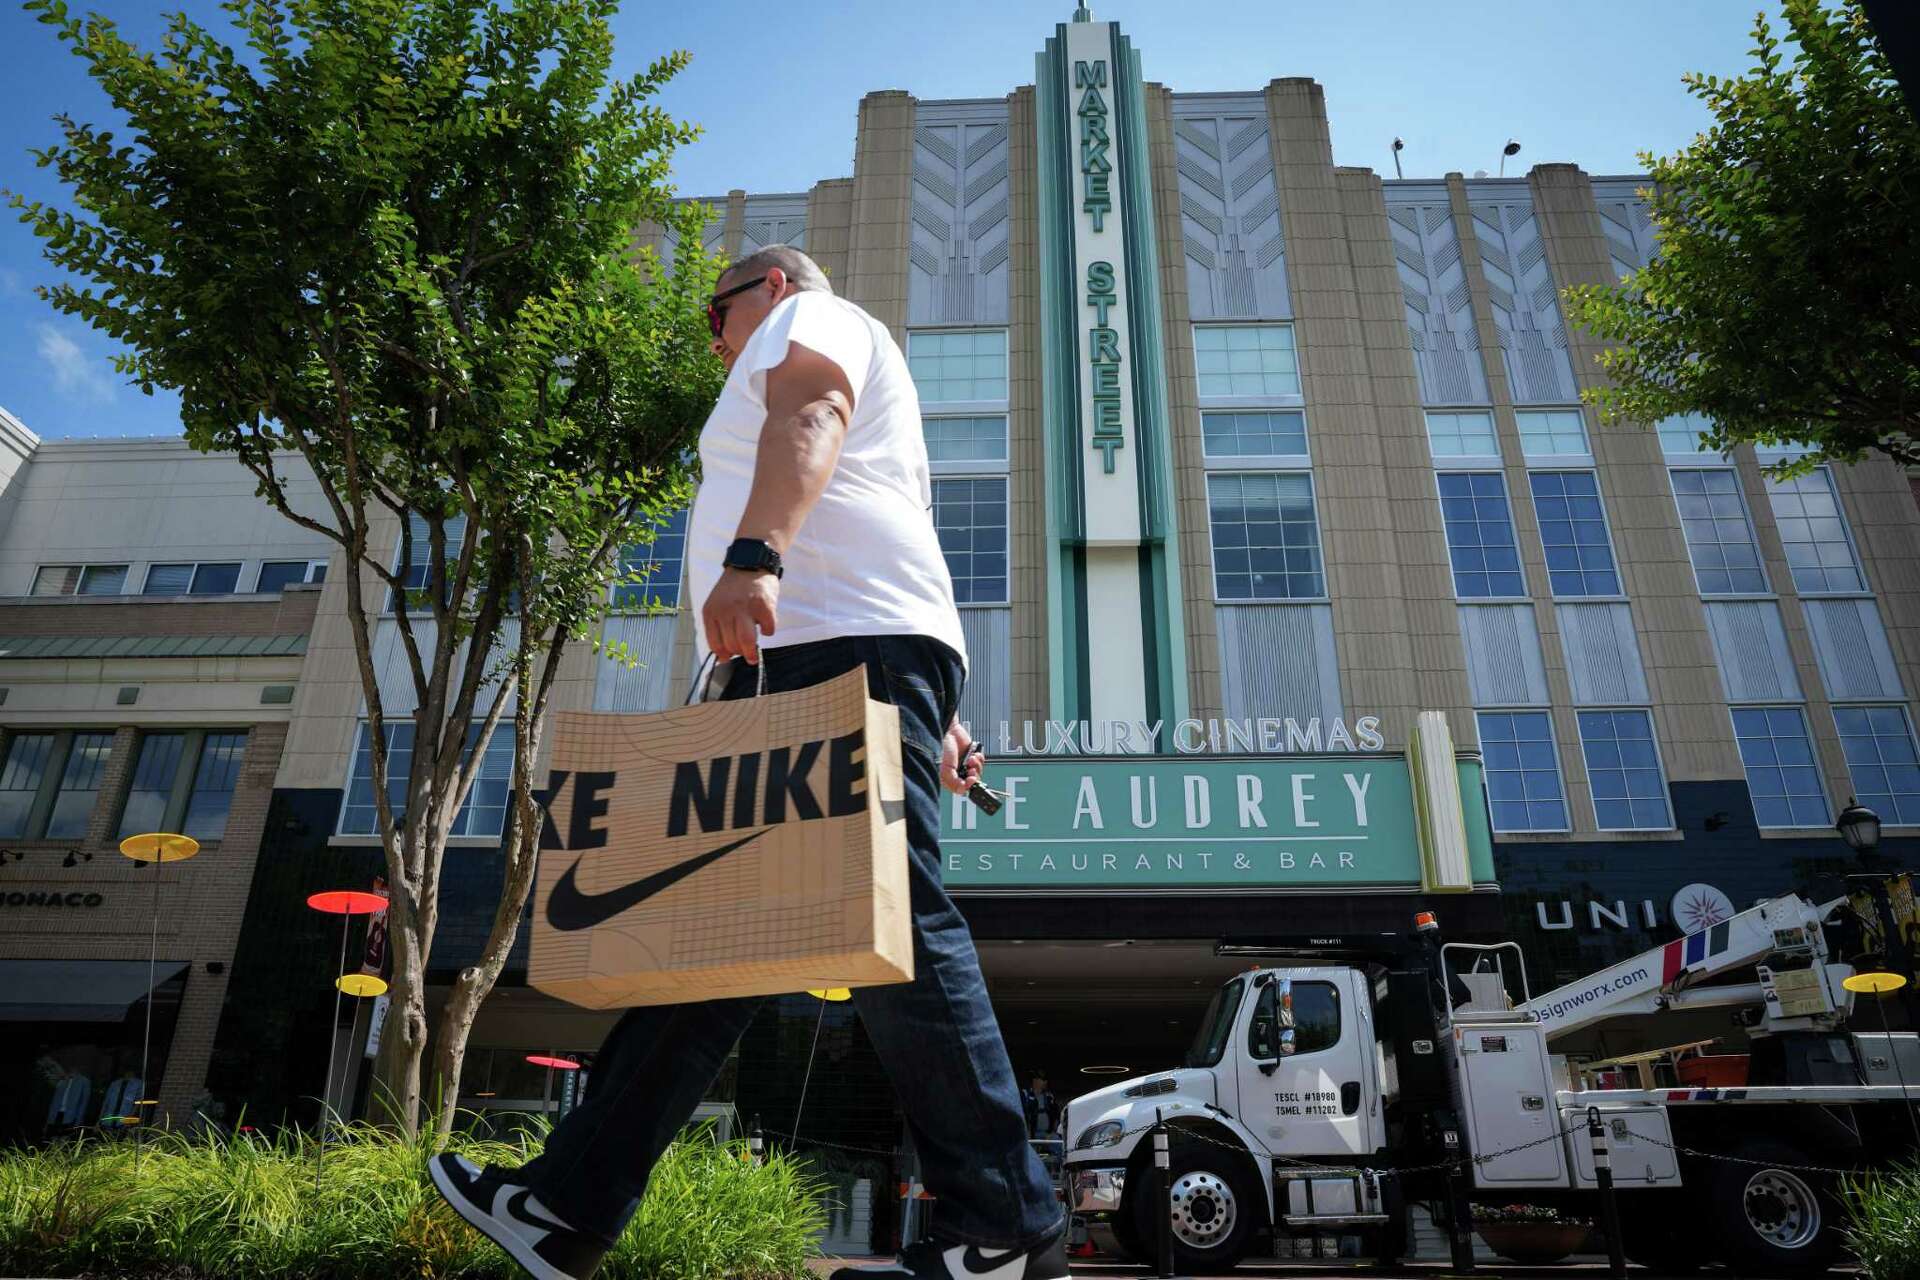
1653,979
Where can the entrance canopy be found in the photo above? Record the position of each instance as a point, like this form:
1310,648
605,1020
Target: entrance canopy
77,990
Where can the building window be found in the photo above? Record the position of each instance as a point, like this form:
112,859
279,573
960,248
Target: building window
1782,777
277,575
216,579
1266,536
79,785
1254,435
1462,435
79,580
1820,555
21,779
419,563
1573,531
1247,361
1681,435
1726,559
1480,544
1548,433
1293,1018
484,814
1878,743
1522,771
213,785
962,366
184,782
1623,767
966,440
970,517
155,776
660,563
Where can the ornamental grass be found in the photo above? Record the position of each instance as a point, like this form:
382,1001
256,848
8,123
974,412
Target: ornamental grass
215,1205
1883,1227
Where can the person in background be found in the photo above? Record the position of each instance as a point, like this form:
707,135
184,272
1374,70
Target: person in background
812,552
1043,1112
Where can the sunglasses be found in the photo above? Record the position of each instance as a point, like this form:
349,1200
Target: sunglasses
717,314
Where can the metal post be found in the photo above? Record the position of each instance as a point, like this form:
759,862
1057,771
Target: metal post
1609,1206
756,1141
333,1051
1163,1193
807,1080
146,1043
1459,1220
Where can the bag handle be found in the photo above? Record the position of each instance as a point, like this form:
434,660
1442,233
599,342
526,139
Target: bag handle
703,678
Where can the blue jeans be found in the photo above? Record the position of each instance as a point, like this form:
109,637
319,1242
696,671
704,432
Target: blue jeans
936,1036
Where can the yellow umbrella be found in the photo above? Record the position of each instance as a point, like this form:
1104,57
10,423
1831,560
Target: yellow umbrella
833,994
1874,983
159,846
361,984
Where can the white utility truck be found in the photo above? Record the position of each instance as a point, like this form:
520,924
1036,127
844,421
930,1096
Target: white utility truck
1326,1099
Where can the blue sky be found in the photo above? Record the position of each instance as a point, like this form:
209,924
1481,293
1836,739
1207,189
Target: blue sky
777,87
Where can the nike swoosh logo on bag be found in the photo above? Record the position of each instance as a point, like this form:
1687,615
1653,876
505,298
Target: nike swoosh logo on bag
1008,1265
568,909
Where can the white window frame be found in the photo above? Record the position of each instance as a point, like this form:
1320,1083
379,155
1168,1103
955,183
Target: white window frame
1463,461
962,467
1302,461
1006,483
1865,590
363,726
679,586
1695,457
1606,522
1555,461
1659,762
1447,546
1319,535
1295,400
1869,704
1559,769
83,569
305,578
963,408
193,571
1813,746
1712,462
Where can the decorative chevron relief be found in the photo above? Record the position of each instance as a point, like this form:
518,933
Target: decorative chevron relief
1229,213
1533,339
1433,286
780,219
1628,225
957,260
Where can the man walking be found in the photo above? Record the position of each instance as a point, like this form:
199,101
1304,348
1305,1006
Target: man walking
812,552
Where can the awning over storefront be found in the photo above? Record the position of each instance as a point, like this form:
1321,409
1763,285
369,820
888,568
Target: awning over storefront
77,990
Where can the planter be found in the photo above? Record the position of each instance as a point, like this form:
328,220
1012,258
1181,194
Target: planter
1532,1243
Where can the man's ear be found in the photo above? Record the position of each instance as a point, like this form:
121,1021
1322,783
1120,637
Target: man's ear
778,279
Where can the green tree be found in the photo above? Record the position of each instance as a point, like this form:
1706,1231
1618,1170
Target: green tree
395,246
1784,303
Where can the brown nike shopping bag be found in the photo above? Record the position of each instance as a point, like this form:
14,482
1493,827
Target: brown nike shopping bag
751,847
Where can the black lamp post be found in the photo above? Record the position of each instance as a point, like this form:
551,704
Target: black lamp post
1859,826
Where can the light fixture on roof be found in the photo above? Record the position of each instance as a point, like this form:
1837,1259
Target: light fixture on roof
1511,149
1398,147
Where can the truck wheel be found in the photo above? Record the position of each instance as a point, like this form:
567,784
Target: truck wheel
1773,1219
1216,1208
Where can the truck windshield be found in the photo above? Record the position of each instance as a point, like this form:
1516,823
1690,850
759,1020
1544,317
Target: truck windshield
1217,1027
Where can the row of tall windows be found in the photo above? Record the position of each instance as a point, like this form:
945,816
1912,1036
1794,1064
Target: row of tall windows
51,781
1776,746
183,578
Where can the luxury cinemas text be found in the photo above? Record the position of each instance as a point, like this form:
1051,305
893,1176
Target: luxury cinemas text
1264,736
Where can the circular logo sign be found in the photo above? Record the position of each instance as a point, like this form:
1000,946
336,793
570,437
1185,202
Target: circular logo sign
1700,906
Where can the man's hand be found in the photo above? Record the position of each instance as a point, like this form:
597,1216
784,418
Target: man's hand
958,770
739,610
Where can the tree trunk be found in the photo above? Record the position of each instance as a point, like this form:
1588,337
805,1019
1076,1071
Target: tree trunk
403,1041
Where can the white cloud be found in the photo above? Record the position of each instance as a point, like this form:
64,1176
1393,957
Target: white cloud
87,378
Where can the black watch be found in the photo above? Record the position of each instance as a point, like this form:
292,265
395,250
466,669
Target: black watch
754,556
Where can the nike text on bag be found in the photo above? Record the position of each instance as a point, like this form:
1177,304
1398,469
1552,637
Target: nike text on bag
751,847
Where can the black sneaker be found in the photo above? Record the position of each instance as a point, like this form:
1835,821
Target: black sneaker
506,1213
930,1260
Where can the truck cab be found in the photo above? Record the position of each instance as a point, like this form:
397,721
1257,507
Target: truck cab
1284,1073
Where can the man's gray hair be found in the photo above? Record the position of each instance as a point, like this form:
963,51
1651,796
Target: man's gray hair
802,272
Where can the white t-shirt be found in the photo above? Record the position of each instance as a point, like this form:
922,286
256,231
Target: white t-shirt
867,560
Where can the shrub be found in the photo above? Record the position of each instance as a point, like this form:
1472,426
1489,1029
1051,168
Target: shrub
1883,1227
247,1205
